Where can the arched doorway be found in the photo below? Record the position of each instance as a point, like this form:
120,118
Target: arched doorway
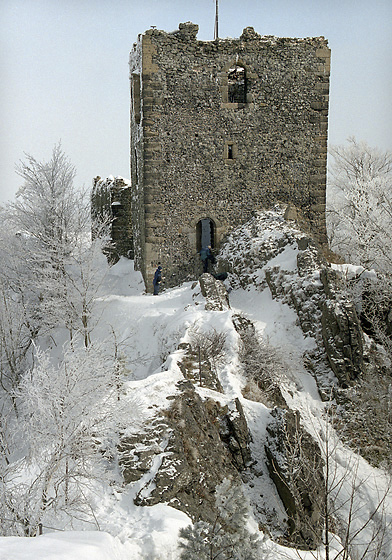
205,234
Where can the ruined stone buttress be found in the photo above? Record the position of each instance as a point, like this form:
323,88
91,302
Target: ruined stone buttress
220,129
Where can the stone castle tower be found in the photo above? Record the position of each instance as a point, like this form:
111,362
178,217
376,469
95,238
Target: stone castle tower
220,129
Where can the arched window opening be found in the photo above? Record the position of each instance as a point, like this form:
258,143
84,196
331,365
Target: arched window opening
116,209
236,81
205,234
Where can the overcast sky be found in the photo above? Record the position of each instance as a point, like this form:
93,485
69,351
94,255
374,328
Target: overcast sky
64,70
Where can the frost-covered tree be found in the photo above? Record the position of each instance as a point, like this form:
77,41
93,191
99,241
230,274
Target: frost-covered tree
70,297
359,205
53,263
42,226
19,316
360,228
16,337
228,537
48,207
56,414
67,425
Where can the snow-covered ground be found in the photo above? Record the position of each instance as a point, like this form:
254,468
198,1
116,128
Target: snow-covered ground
149,330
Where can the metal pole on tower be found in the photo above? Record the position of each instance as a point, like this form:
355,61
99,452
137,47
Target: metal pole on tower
216,34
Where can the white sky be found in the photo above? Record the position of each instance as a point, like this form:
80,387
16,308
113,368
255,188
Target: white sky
64,70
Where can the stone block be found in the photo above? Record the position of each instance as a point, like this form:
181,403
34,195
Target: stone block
317,105
323,52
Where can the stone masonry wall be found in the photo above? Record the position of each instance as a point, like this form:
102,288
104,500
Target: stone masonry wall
196,155
111,199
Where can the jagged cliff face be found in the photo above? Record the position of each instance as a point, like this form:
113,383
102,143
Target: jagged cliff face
239,367
309,286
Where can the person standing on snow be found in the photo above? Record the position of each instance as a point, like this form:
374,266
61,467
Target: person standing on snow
206,255
157,280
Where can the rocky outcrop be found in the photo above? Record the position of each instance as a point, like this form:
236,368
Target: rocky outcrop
235,434
137,452
296,467
324,310
200,444
334,313
196,365
250,247
343,340
215,293
341,331
260,365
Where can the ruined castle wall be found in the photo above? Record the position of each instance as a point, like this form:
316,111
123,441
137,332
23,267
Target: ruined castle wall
277,138
137,124
111,200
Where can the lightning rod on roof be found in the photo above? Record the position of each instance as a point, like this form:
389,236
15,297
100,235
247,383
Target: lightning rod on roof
216,35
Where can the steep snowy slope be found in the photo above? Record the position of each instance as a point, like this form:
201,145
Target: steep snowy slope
155,337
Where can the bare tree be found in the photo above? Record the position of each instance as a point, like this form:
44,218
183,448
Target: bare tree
360,519
209,348
355,504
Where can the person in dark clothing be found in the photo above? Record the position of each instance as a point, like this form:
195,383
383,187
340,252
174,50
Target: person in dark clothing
157,280
206,255
221,276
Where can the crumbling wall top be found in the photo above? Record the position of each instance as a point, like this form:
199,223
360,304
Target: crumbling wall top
249,34
187,32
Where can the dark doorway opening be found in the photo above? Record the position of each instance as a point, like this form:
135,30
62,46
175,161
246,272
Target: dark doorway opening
205,234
